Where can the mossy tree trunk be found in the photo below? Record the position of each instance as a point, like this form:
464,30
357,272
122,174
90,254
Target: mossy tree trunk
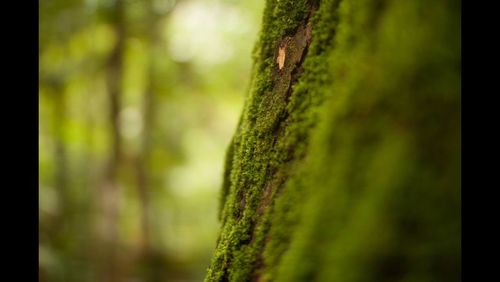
345,165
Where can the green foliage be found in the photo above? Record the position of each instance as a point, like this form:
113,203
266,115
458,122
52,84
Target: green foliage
357,179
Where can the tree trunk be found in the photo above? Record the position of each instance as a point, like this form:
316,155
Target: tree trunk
345,165
110,188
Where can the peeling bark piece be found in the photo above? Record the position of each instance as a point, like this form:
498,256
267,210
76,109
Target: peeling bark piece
281,57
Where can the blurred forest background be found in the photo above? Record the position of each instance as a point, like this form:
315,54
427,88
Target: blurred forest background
138,100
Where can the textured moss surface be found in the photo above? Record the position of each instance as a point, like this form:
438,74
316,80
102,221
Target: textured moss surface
346,162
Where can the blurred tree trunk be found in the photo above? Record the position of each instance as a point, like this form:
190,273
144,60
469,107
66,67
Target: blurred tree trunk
114,77
110,188
148,110
62,222
60,150
345,165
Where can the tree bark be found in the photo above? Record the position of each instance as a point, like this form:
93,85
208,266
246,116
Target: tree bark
345,165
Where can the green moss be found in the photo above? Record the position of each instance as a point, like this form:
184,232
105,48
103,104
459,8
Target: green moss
374,220
255,155
336,155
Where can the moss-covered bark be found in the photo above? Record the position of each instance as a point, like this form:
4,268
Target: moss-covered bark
346,162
